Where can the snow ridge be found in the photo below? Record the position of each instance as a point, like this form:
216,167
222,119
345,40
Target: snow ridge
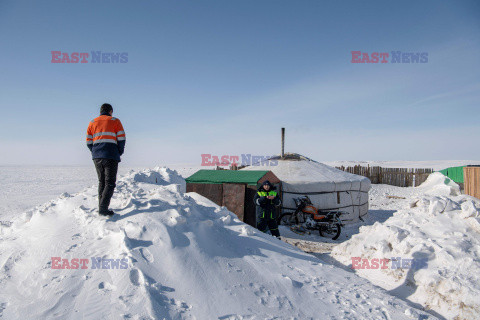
187,259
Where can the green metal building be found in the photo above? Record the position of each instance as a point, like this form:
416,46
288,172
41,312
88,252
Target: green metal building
454,173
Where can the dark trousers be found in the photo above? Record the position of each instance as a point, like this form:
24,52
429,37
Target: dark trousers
264,220
107,176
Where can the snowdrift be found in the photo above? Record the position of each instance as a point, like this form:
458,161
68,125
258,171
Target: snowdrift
186,258
439,185
440,228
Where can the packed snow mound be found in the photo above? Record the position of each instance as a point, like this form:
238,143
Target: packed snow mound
438,184
159,175
168,255
441,231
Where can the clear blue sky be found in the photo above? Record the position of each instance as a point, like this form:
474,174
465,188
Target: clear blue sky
223,77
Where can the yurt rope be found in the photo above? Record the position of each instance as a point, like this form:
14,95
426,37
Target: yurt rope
352,205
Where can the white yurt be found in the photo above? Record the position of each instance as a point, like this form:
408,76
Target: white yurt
327,187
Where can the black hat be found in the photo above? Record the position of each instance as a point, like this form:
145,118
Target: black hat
267,182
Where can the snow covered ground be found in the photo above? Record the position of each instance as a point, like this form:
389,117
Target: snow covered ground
189,259
185,258
434,223
24,187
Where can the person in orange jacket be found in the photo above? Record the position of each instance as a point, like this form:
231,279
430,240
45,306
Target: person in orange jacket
106,141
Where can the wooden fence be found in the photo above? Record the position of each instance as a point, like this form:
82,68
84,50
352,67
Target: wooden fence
400,177
471,176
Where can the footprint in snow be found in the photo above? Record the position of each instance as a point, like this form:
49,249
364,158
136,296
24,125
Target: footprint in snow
105,286
83,208
295,283
136,277
125,299
147,255
183,306
3,305
48,265
71,247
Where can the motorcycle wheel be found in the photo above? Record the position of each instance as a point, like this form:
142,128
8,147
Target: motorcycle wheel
333,233
287,219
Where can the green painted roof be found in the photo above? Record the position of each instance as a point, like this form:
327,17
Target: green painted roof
226,176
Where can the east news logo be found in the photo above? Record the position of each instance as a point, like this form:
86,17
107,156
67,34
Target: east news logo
92,57
396,57
97,263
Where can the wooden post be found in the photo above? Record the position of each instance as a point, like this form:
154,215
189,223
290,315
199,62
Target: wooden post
283,142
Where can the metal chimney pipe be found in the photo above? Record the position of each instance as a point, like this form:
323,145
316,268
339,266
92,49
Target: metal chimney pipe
283,142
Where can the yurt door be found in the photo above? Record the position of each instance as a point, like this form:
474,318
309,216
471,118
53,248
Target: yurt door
234,198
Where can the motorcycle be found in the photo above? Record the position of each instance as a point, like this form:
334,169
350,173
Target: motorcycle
327,222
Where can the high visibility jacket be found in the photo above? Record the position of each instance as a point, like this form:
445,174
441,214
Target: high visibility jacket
266,207
106,137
